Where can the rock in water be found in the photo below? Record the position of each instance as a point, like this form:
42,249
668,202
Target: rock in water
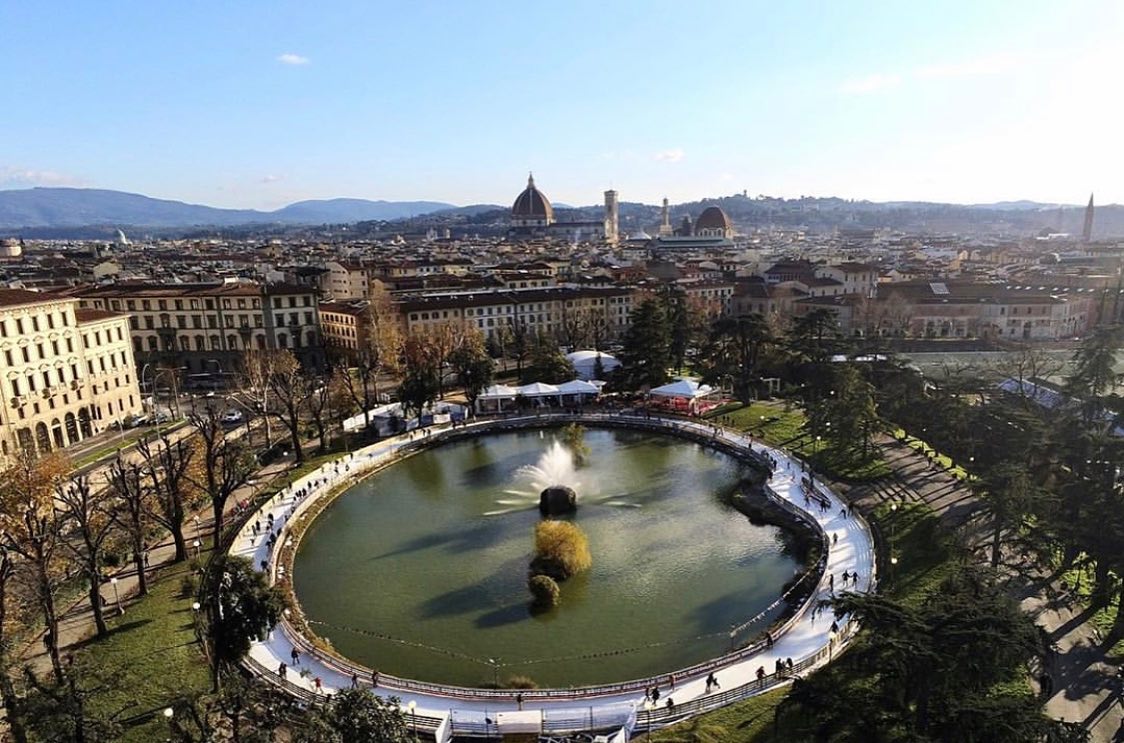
557,500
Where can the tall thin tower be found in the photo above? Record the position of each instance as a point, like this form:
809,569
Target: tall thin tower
665,219
612,218
1087,232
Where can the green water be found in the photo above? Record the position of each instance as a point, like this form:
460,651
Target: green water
410,554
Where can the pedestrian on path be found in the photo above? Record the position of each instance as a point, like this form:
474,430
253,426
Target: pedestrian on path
281,670
355,681
319,686
831,582
295,655
761,676
374,679
655,694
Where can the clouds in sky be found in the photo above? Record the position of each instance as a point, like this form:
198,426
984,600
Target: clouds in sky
19,177
272,178
991,64
673,155
292,59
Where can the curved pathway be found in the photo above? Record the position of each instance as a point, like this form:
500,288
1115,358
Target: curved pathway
805,641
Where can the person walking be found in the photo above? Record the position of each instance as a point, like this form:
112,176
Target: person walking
355,681
831,582
319,686
761,676
281,669
295,655
374,679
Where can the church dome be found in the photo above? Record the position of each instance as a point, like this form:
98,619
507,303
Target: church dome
532,204
713,221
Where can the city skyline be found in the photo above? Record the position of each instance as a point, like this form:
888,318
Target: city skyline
240,108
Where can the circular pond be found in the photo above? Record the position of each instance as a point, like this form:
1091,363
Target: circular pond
421,569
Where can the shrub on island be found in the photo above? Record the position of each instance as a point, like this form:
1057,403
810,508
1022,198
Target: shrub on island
561,550
545,593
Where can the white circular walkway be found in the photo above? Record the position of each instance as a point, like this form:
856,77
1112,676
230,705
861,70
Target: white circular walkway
805,641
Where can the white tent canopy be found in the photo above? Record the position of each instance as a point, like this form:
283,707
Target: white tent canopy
537,389
499,391
585,363
578,387
686,389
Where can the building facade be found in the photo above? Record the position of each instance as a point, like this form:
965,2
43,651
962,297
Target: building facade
205,328
65,373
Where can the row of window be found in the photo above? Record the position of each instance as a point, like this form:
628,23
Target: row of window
240,303
34,325
40,352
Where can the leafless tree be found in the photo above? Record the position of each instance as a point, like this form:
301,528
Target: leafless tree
88,512
132,495
169,466
227,463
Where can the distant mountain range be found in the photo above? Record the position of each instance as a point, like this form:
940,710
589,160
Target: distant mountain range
82,207
93,213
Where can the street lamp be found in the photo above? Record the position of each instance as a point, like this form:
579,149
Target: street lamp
197,544
893,562
413,707
495,672
116,595
649,705
196,606
831,644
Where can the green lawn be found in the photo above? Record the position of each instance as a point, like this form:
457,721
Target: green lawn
748,721
149,659
1083,579
943,460
123,442
776,426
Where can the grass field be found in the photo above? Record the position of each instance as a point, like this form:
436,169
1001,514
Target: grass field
149,659
777,426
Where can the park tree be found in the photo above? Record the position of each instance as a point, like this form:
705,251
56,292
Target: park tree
732,351
227,463
1009,493
687,322
321,396
30,529
289,386
937,671
132,506
812,338
10,616
358,715
255,371
516,340
548,364
422,369
644,353
472,366
172,468
1094,363
241,608
379,344
88,515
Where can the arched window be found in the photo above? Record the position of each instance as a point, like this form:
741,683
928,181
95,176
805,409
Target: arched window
152,343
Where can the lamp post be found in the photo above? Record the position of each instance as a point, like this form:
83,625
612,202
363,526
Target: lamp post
116,595
168,714
495,672
649,705
893,562
413,707
197,544
831,644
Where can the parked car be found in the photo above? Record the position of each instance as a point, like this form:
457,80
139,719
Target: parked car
136,420
162,416
232,416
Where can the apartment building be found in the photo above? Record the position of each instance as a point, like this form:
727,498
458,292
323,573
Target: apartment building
540,310
66,373
343,326
204,328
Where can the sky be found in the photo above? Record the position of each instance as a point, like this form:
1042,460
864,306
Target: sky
257,104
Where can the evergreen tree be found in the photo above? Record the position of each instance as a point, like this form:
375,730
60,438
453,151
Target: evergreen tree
645,355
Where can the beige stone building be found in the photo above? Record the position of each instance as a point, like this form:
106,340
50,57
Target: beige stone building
65,373
205,328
